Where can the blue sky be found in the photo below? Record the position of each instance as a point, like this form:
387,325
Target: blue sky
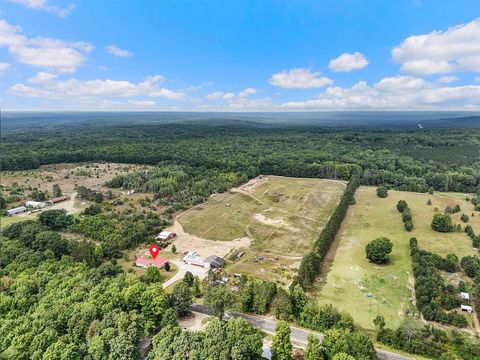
240,55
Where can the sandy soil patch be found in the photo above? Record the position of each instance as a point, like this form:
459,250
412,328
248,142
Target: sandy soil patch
187,242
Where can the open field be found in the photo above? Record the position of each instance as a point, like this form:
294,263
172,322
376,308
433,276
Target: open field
280,217
348,276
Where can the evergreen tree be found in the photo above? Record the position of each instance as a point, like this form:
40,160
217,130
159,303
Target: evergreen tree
281,346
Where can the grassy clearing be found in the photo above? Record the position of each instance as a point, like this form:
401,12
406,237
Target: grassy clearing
7,220
350,277
282,216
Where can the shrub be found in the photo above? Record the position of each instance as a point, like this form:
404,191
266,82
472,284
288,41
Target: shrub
442,223
378,251
402,205
382,192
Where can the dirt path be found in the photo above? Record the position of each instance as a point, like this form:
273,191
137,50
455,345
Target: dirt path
68,205
476,322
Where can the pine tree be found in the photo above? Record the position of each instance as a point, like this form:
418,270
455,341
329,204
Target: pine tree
281,346
313,350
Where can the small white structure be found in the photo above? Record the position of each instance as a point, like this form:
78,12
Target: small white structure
17,210
166,235
464,296
467,308
35,204
193,259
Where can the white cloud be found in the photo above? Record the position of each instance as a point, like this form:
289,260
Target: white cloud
43,52
398,93
453,50
42,77
348,62
44,5
299,78
115,50
48,87
4,67
195,88
142,103
447,79
247,92
220,95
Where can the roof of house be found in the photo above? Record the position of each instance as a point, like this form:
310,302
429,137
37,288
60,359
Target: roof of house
215,261
466,307
193,257
17,209
165,235
159,262
465,295
60,198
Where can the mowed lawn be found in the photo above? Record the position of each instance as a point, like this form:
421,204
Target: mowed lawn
364,289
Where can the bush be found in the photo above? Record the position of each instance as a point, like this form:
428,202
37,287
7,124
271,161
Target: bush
382,192
378,251
442,223
402,205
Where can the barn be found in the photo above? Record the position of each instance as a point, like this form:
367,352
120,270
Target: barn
17,210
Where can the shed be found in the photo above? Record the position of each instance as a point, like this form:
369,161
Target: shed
166,235
58,199
464,296
17,210
159,262
467,308
193,259
215,261
35,204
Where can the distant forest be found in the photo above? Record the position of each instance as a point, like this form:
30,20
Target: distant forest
406,159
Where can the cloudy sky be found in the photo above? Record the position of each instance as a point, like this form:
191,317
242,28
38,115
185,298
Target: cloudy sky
243,55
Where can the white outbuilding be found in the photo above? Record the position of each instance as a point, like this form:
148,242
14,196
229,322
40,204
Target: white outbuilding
35,204
464,296
166,235
17,210
467,308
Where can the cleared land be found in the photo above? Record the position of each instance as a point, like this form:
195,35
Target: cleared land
67,176
280,217
349,278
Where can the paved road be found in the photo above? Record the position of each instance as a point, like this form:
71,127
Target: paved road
298,335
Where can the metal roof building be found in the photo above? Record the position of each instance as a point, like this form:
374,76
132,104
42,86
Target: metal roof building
17,210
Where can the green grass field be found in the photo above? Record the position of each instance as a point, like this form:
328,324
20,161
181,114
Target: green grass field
7,220
282,216
348,277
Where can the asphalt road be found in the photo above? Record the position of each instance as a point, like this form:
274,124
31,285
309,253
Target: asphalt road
298,335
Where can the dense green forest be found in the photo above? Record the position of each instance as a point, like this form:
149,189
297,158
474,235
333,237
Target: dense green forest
65,299
406,159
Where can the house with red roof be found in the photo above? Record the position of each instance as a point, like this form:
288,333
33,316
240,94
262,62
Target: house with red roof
159,262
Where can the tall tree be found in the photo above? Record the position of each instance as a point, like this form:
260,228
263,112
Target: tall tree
281,345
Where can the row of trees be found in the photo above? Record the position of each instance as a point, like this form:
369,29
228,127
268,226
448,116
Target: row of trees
427,341
311,262
407,218
471,234
434,297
